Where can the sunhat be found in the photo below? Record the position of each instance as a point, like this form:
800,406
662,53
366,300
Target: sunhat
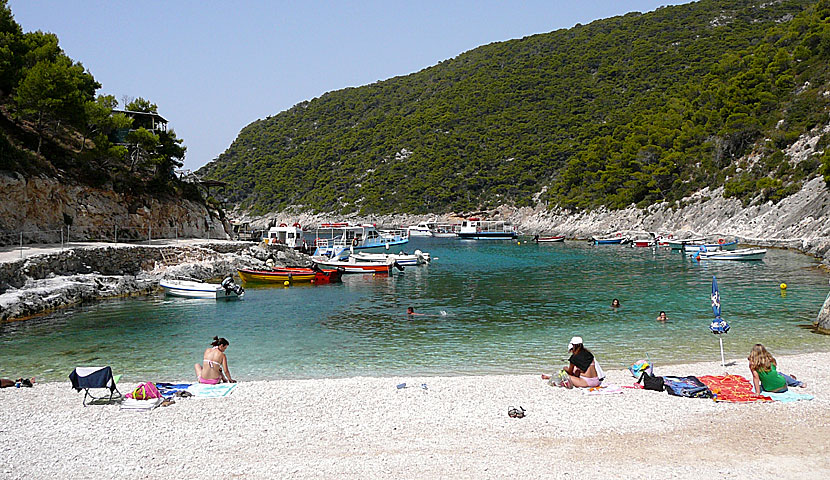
574,341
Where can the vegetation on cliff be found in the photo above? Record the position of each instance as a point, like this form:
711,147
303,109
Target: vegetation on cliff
52,122
635,109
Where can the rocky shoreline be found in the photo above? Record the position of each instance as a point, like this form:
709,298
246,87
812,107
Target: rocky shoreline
44,283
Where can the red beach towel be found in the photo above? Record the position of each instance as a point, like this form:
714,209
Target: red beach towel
732,388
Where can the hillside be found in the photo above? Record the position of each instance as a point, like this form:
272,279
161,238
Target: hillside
637,109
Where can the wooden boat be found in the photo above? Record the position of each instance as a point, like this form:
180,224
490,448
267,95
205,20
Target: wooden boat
644,242
553,239
477,229
313,275
351,265
709,247
740,254
677,244
190,288
405,259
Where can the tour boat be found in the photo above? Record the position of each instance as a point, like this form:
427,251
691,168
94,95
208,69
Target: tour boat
313,275
708,247
740,254
284,234
553,239
403,258
352,265
177,287
477,229
332,239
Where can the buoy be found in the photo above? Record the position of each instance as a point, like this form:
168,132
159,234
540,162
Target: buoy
783,286
720,241
286,283
518,243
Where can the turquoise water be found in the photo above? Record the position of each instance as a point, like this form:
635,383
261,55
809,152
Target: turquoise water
508,308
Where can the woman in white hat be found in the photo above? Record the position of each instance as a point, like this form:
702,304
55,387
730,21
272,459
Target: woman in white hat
582,370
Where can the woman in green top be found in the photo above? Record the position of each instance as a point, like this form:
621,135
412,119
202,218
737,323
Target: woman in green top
765,374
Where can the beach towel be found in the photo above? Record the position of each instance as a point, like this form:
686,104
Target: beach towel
732,388
604,390
203,390
169,390
690,387
145,405
789,396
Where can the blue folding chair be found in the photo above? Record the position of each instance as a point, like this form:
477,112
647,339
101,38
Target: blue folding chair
86,378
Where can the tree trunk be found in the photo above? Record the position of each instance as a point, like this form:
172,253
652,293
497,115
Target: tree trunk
39,131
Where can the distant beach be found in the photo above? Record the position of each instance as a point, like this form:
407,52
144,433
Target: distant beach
457,427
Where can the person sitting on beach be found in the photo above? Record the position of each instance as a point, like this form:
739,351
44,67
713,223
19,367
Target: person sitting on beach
20,382
764,371
662,317
581,371
215,364
615,303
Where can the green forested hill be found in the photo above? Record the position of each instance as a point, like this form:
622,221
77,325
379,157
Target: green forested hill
634,109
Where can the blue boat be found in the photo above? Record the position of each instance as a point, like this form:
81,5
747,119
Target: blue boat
334,239
615,240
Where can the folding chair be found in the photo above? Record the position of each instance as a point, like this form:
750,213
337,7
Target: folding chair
86,378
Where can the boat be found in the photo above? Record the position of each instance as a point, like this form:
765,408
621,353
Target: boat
740,254
190,288
423,229
644,242
549,239
446,230
403,258
617,239
332,239
677,244
706,247
289,235
313,275
477,229
352,265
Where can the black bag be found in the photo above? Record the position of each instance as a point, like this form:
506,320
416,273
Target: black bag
651,382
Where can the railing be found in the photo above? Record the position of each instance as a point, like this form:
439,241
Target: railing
63,237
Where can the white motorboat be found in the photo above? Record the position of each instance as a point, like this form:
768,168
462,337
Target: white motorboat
196,289
423,229
740,254
477,229
333,239
405,259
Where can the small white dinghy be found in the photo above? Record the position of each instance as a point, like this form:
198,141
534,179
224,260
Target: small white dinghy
190,288
405,259
740,254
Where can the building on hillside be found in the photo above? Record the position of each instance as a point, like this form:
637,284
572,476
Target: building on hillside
150,121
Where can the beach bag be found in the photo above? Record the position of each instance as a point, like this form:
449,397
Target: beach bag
651,382
640,366
689,387
144,391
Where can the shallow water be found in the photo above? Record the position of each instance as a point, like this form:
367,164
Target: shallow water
492,307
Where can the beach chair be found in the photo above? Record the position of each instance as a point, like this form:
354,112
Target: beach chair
86,378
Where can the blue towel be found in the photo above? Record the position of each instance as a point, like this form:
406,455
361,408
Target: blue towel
788,396
169,390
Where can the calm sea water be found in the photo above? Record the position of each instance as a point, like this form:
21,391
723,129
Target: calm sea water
491,307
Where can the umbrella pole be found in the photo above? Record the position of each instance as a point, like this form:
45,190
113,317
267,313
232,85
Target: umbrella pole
722,361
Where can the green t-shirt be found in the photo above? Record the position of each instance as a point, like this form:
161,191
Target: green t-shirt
771,380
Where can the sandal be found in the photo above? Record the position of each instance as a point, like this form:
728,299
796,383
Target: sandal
514,412
167,402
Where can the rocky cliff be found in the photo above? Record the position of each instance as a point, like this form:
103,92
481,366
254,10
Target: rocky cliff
42,206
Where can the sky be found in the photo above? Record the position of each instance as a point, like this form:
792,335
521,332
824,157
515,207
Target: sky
213,67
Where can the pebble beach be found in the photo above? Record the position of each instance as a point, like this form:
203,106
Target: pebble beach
456,427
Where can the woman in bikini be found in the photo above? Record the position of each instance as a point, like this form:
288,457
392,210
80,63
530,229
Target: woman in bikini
215,364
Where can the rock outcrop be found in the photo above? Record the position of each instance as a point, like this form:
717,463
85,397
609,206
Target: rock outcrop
43,207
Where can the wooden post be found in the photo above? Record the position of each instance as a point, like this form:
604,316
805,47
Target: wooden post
21,244
149,234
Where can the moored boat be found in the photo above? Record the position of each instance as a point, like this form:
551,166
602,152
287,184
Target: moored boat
177,287
403,258
678,244
332,239
284,234
352,265
617,239
423,229
644,242
740,254
709,247
313,275
477,229
549,239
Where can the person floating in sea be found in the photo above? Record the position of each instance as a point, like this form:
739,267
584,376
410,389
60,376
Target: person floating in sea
215,364
765,374
662,317
411,311
615,303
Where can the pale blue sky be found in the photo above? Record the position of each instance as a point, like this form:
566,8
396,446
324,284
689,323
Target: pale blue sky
213,67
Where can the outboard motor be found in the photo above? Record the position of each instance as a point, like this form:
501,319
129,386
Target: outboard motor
230,286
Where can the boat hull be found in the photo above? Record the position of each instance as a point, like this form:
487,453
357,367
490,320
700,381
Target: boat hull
487,235
608,241
550,239
693,248
189,289
746,254
357,267
293,275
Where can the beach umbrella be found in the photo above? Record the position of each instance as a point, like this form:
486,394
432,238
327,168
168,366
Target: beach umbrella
719,326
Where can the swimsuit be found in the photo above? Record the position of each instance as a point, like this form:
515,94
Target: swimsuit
211,364
209,381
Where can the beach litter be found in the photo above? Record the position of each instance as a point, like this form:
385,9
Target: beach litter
404,385
514,412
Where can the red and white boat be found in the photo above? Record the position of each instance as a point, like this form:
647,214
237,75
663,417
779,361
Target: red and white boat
644,242
290,274
552,239
352,265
